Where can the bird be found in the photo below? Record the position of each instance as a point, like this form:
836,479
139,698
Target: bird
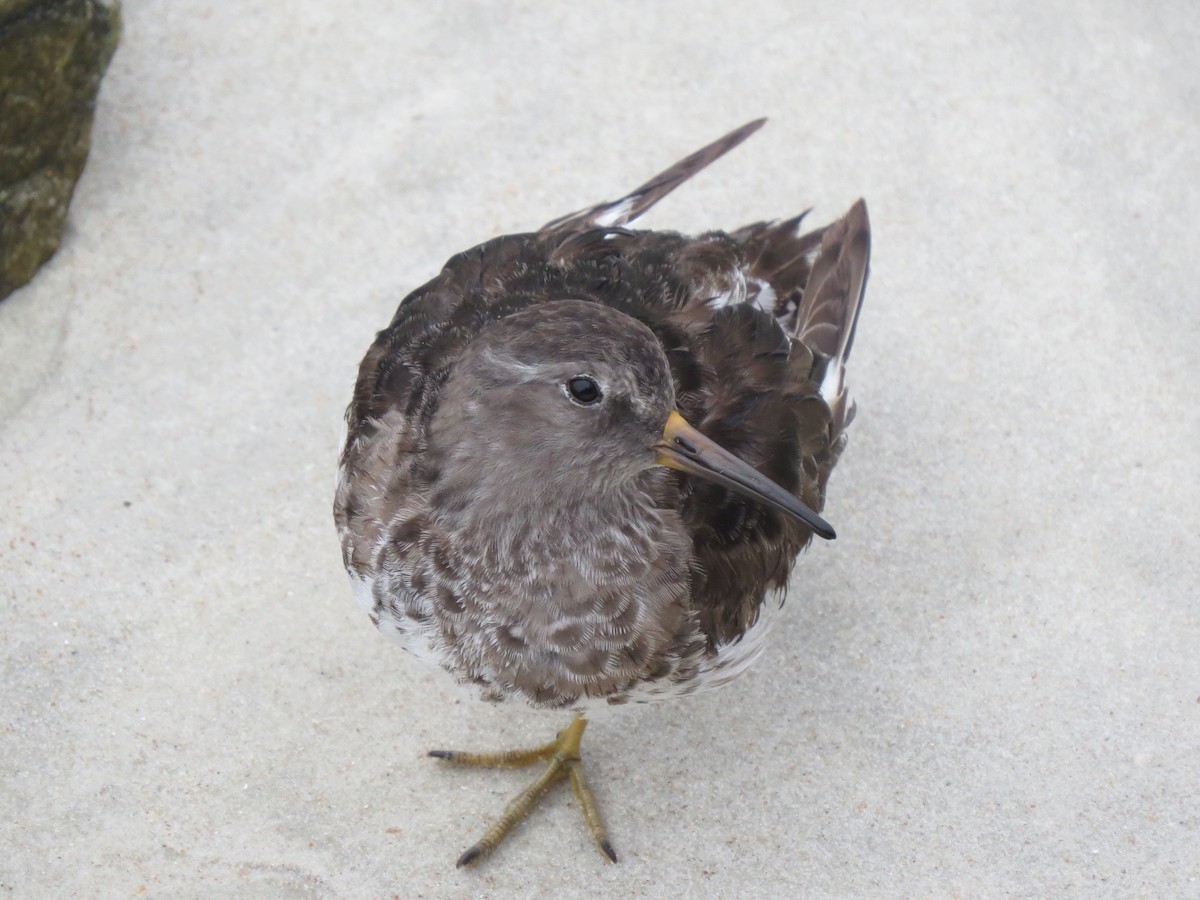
580,462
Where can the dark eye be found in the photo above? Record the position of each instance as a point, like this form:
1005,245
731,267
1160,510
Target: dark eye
583,389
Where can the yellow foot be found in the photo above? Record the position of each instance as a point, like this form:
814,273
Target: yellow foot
565,763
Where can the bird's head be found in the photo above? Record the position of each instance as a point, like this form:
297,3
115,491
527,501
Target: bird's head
574,398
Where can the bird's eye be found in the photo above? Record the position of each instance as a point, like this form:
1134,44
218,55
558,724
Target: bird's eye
583,389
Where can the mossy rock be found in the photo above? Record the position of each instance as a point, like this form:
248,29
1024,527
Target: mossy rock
52,56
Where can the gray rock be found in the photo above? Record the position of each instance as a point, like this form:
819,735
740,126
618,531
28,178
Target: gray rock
52,56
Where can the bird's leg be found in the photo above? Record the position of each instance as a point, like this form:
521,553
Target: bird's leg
565,763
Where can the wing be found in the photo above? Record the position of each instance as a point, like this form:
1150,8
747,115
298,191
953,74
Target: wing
832,300
634,204
817,281
765,378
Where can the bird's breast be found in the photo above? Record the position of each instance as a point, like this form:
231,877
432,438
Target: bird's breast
556,608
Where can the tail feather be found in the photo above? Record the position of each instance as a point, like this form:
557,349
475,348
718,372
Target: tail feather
829,308
834,290
634,204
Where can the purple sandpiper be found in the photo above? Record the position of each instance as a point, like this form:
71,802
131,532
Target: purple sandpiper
580,462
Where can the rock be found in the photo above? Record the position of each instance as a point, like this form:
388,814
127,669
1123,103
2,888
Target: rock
52,56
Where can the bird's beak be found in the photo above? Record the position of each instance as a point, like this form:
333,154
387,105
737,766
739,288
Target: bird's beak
684,448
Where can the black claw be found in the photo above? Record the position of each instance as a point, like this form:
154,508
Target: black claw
608,850
469,857
442,754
